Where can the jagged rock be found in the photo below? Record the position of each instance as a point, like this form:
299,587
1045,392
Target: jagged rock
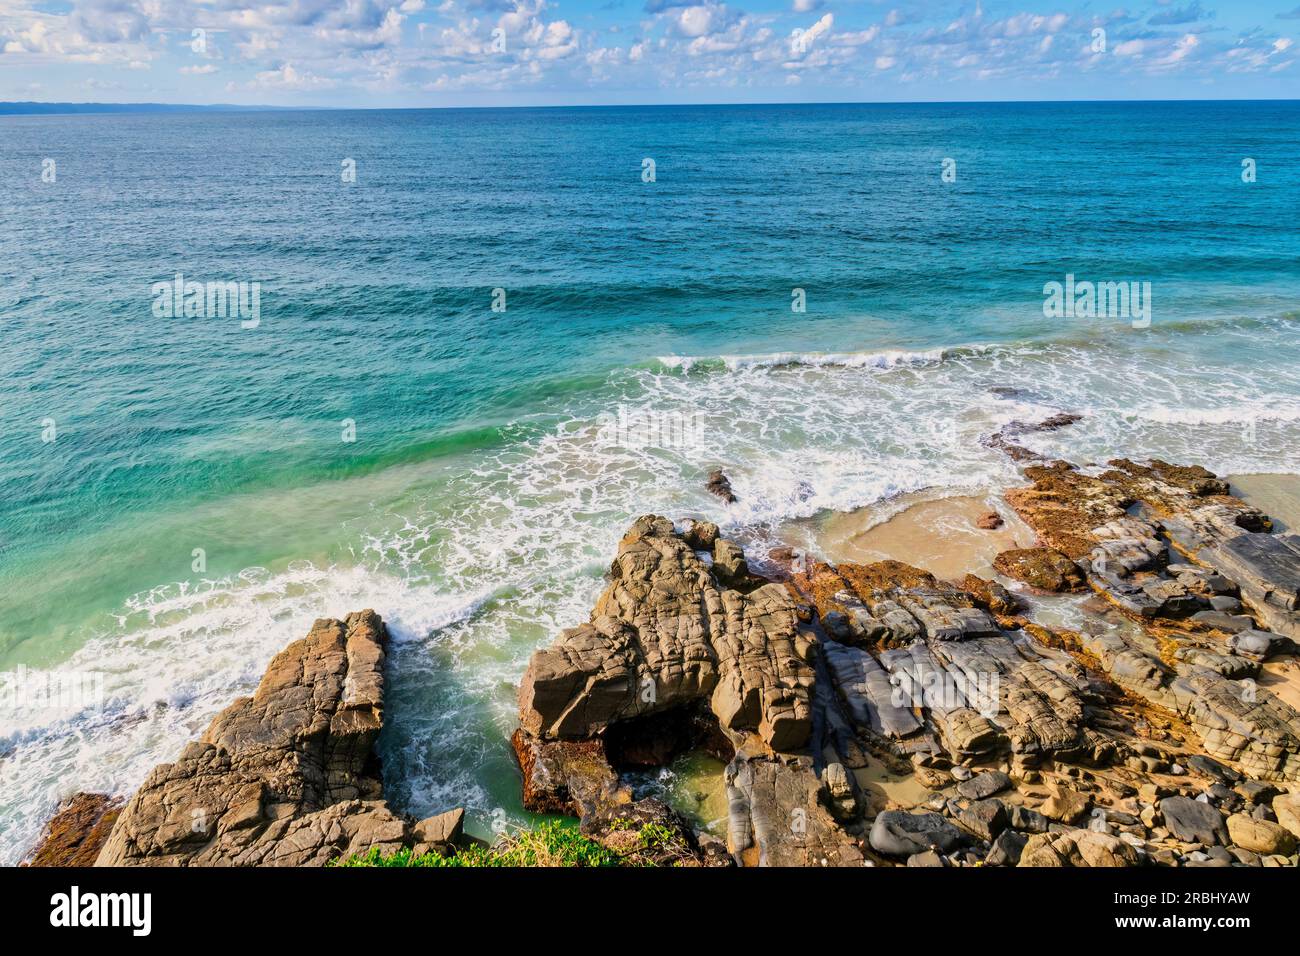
566,776
1044,568
990,595
1088,517
729,563
1193,821
672,841
665,634
989,521
445,829
1260,836
286,777
719,484
897,833
701,535
77,832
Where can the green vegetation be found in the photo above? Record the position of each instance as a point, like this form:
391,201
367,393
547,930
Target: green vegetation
552,843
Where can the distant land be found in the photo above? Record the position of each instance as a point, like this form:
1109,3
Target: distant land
7,109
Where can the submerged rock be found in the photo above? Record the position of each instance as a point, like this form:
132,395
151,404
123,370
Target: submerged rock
720,485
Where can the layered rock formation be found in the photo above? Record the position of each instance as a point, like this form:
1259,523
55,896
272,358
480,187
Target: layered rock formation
287,777
1206,622
1030,745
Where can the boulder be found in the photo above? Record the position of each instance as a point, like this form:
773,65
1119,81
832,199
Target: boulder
1260,836
897,833
1076,848
1193,821
984,818
1286,807
1065,806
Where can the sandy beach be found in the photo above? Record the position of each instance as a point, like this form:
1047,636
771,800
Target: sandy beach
940,535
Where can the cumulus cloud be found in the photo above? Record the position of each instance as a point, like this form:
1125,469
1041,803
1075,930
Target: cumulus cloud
288,49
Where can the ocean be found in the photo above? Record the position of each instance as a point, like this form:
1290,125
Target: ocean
507,335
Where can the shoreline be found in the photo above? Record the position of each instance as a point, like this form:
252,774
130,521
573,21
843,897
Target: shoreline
875,588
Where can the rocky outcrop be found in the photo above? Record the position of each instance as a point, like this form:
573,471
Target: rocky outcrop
77,832
286,777
675,640
1206,622
665,634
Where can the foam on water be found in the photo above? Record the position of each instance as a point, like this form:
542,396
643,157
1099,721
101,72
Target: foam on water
482,563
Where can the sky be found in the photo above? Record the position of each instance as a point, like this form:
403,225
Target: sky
428,53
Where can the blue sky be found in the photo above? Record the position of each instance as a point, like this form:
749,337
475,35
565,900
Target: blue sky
376,53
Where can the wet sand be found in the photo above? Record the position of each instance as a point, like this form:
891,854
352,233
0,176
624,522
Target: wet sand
1278,496
937,534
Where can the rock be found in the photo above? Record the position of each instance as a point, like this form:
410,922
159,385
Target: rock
1075,848
1044,568
76,833
701,536
989,521
984,785
665,634
928,858
990,595
566,776
286,777
1006,849
445,829
1286,807
719,484
1253,791
1212,769
650,833
1030,821
1193,821
775,818
1260,836
1065,806
729,565
898,833
984,818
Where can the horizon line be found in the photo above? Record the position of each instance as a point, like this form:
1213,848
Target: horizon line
9,107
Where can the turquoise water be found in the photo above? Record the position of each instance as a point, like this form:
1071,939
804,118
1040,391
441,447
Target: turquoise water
484,493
